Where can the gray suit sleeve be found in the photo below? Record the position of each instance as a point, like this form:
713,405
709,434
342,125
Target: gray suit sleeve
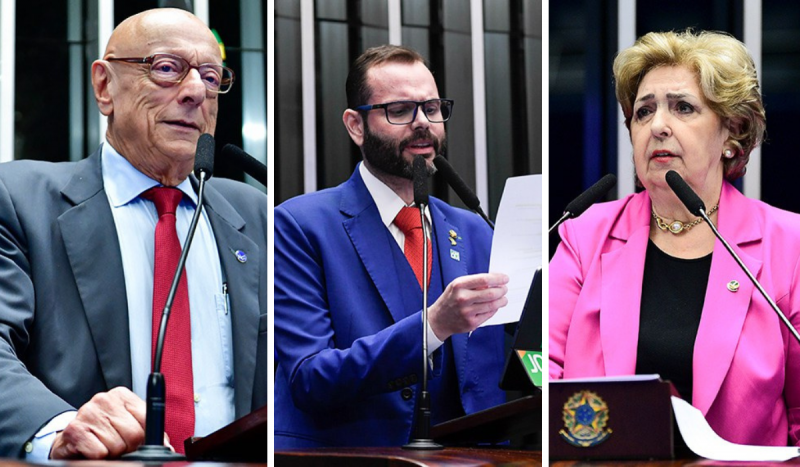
26,404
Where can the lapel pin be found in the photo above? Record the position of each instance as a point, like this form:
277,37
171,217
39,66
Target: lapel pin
455,255
733,286
453,236
241,256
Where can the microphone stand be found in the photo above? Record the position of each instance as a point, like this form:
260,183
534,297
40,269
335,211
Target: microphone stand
696,206
153,449
750,275
422,440
567,215
592,194
455,182
485,217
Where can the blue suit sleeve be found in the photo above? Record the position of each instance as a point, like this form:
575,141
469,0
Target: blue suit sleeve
323,374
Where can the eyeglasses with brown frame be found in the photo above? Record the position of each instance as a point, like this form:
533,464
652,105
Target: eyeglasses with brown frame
169,69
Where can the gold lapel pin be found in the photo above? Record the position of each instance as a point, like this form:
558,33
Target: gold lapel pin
733,286
453,237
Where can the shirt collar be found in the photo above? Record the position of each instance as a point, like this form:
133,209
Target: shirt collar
389,204
123,182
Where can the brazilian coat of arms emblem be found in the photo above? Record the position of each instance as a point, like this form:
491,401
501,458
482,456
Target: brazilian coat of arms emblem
585,417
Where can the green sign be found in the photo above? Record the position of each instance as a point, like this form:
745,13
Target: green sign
532,361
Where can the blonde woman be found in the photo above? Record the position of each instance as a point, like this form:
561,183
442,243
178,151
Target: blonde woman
640,285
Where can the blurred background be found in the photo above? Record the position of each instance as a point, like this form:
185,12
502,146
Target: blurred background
484,54
587,135
47,108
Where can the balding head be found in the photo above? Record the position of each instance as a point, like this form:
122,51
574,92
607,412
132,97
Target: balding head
150,28
155,125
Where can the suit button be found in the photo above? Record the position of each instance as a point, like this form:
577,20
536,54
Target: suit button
406,394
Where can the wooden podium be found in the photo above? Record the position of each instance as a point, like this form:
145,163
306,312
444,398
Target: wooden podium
520,417
611,420
398,457
244,440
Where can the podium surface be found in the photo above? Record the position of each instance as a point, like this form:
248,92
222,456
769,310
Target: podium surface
518,417
398,457
244,440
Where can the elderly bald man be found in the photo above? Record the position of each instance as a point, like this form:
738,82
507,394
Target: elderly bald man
77,246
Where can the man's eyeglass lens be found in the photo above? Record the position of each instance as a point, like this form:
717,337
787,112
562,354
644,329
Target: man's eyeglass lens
171,69
404,112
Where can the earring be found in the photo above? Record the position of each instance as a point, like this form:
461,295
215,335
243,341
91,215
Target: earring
728,153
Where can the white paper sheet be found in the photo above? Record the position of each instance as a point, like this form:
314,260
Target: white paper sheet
702,440
608,379
517,242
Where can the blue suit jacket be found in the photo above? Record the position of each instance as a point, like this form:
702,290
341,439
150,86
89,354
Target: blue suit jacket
348,326
63,314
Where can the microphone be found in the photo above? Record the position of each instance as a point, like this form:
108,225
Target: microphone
688,197
696,206
246,162
153,449
204,157
576,207
420,171
421,440
458,185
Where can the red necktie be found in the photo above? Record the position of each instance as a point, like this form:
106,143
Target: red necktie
176,362
409,222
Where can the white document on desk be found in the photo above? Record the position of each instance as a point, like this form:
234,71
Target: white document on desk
701,439
517,242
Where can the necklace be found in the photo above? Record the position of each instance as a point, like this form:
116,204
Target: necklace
676,226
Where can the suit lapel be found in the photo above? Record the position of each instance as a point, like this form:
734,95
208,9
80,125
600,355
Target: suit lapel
724,312
243,280
452,258
621,303
92,246
451,268
621,292
371,241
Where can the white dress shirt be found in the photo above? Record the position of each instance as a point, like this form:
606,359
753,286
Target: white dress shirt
389,205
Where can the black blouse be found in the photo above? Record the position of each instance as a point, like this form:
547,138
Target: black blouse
673,292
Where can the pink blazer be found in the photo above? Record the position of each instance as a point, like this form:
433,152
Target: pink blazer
746,364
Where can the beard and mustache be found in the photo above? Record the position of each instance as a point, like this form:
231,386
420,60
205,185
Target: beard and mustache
386,154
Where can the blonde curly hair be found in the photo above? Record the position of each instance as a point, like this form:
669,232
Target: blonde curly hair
726,74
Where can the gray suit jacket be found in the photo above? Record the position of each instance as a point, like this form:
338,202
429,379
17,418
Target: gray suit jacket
63,312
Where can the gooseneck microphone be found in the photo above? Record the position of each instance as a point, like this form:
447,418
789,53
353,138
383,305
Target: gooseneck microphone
688,197
153,449
696,206
204,158
593,194
421,440
458,185
251,166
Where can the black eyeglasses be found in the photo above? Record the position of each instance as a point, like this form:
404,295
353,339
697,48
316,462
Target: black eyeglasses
168,69
405,112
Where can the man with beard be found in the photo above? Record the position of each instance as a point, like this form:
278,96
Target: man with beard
348,327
